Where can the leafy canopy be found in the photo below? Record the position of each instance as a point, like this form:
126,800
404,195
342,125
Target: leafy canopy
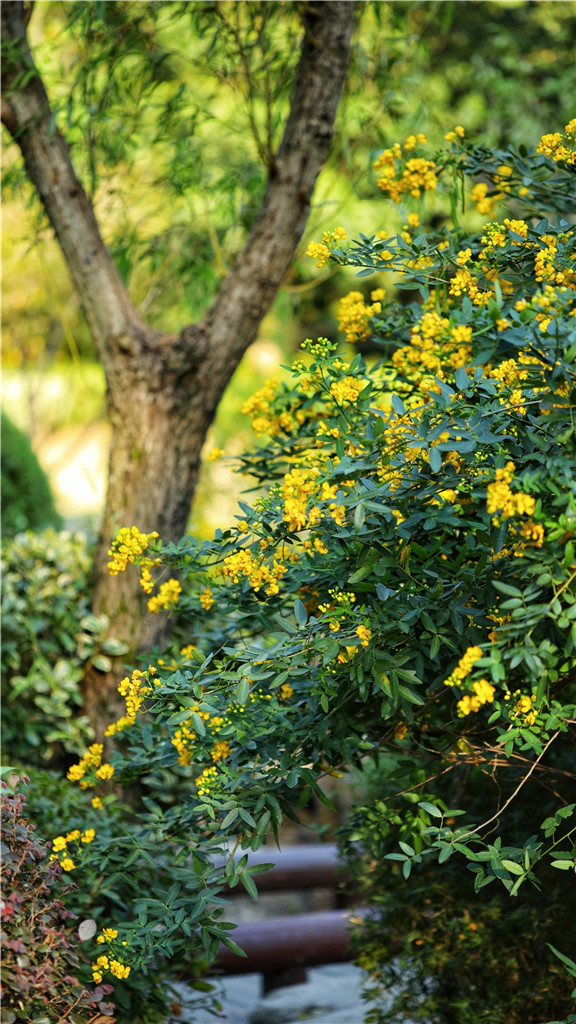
406,583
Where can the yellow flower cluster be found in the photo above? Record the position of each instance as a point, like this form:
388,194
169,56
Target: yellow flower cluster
322,251
134,691
259,575
167,595
560,147
185,736
206,599
464,667
347,389
364,634
60,846
107,935
499,497
342,601
533,533
483,694
465,283
456,133
297,488
129,545
483,202
258,406
92,761
436,347
524,706
104,964
399,176
285,691
354,314
205,781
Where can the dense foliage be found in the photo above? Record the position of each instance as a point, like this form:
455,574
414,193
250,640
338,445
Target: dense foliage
402,593
41,949
27,501
49,638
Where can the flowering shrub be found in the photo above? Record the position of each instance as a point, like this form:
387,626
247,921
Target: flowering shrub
41,952
406,587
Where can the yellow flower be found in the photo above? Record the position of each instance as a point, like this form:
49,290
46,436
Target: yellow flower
167,595
319,252
206,599
364,634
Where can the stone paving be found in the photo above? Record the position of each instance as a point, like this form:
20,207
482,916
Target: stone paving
331,995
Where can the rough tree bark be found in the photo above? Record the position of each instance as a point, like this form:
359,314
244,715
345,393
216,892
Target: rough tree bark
163,389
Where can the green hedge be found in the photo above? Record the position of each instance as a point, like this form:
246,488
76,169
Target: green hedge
27,501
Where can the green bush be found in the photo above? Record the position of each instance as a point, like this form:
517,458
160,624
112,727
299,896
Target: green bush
446,957
405,590
27,502
48,639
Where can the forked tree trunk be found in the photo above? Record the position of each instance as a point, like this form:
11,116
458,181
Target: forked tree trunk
163,389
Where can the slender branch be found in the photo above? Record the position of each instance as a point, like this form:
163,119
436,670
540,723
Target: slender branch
27,114
513,796
269,250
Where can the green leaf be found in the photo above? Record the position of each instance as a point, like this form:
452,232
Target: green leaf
227,941
435,460
565,959
249,885
398,405
430,808
462,379
300,612
359,517
229,819
513,867
102,663
198,724
242,690
505,588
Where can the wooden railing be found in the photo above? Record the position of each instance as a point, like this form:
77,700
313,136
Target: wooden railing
282,947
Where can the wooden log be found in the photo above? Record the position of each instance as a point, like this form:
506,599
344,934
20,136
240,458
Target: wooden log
297,940
297,867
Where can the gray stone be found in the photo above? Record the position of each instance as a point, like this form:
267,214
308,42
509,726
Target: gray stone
332,995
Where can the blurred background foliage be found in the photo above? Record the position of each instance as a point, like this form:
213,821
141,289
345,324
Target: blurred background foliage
173,110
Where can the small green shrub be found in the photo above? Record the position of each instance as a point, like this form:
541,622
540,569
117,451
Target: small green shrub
27,502
48,639
42,962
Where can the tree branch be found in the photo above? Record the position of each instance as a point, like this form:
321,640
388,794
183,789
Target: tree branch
232,321
27,115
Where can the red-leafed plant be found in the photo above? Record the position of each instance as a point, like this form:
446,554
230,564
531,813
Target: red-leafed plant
41,957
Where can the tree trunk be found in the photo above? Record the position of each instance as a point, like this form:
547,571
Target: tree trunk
163,389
